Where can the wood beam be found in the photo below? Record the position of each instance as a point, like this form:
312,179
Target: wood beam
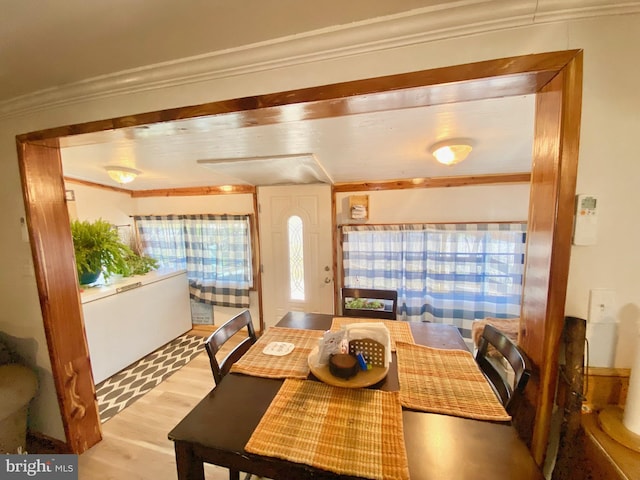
553,183
436,182
55,270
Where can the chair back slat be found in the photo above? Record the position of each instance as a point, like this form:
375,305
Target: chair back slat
218,339
489,365
386,297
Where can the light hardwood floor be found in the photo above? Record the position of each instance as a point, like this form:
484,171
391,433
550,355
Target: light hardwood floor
135,444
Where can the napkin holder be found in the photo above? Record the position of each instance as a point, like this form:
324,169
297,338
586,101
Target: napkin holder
372,351
371,332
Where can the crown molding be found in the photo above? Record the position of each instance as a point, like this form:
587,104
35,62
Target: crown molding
549,11
450,20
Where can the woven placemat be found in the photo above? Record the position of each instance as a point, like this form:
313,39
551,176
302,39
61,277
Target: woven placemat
400,331
293,365
350,431
446,381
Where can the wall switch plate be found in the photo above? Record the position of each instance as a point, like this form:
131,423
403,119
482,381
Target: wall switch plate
602,308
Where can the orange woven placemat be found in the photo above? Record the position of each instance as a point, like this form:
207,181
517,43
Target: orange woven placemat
293,365
446,381
350,431
400,331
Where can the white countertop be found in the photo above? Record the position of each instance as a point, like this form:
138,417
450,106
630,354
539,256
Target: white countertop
91,294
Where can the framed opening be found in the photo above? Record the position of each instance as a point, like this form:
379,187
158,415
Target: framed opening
555,77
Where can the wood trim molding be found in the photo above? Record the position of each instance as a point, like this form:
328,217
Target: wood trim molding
459,83
428,24
335,240
499,222
605,387
608,372
438,182
257,254
57,281
194,191
170,192
553,183
39,443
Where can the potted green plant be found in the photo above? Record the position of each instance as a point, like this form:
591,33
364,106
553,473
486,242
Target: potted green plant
137,264
98,249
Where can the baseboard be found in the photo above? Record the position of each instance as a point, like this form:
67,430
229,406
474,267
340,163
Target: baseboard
605,386
40,443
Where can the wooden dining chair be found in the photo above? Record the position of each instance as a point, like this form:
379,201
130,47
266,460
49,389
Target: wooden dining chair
362,302
217,339
495,372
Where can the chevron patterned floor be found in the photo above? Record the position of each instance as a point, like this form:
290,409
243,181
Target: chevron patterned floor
118,392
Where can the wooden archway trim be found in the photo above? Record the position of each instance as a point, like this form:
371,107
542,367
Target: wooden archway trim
53,254
555,76
553,186
460,83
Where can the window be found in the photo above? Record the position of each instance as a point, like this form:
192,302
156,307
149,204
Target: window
446,273
296,258
215,250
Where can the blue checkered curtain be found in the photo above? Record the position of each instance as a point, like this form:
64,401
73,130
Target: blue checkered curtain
162,238
444,273
215,250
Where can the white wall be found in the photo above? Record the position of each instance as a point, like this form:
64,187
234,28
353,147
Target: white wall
608,168
486,203
238,204
607,165
94,203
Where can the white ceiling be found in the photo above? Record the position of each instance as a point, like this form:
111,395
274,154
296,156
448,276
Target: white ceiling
387,145
46,45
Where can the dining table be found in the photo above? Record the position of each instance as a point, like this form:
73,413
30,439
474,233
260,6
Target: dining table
438,446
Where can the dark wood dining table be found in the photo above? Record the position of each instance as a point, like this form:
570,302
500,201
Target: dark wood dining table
439,447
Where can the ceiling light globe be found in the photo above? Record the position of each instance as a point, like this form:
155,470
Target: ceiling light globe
450,152
122,175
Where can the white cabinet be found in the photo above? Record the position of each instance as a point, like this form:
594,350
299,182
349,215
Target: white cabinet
126,321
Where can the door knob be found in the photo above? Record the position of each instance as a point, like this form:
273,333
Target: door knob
327,280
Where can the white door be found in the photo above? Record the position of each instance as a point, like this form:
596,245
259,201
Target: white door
296,249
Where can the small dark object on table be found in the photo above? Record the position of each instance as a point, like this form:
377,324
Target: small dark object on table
343,365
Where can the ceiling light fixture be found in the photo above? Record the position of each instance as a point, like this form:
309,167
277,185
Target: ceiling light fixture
122,174
450,152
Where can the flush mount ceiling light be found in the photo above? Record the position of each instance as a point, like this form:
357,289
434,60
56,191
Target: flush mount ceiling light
450,152
122,174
